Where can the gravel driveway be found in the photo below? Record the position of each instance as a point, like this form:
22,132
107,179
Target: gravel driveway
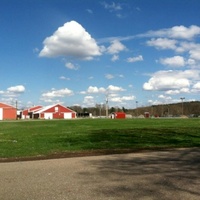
166,175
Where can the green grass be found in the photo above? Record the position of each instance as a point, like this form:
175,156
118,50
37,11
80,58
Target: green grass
34,138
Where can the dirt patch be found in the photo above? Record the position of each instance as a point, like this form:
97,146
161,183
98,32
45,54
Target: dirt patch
79,154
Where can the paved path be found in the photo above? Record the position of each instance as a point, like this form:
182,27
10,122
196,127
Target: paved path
165,175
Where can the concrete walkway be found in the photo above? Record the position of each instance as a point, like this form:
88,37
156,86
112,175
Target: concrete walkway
165,175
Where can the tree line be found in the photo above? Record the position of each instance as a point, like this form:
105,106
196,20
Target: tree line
162,110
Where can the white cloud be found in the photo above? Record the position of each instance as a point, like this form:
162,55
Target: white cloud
191,61
64,78
114,58
172,92
16,89
112,7
178,32
70,40
176,61
195,53
57,93
164,97
120,99
185,46
196,87
109,76
135,59
174,82
162,43
115,47
89,11
13,92
112,88
95,89
89,101
170,80
128,98
72,66
184,32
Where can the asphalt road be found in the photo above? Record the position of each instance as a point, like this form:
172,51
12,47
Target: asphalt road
165,175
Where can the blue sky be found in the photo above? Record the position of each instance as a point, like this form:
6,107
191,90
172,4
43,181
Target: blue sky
80,52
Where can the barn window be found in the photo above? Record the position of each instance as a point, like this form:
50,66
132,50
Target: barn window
56,109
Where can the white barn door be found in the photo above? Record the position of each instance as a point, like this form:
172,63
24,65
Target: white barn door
67,115
1,113
48,115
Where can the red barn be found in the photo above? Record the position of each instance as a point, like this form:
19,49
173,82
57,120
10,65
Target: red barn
118,115
7,112
28,113
55,112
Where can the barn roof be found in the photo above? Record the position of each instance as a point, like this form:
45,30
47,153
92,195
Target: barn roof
3,105
43,109
50,106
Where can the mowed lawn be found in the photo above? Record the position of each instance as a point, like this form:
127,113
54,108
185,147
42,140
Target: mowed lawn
46,137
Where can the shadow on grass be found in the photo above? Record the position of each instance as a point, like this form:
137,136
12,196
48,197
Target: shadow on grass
133,138
173,174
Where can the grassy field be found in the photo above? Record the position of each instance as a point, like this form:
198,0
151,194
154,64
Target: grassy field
34,138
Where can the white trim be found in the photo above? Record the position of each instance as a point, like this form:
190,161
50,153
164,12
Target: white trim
1,113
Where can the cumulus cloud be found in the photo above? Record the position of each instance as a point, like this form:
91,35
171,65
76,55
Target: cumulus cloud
70,40
177,32
12,92
195,53
72,66
120,99
164,97
176,61
114,58
94,89
162,43
172,80
196,87
112,88
57,93
115,47
16,89
135,59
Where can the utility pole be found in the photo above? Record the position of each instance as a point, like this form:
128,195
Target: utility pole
136,108
106,106
16,104
182,98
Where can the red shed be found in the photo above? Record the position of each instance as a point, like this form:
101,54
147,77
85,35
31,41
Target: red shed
55,112
7,112
118,115
28,113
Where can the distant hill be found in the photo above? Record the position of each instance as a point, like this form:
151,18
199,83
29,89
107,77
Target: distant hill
190,109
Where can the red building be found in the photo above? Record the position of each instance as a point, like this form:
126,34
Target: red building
7,112
28,113
54,112
118,115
